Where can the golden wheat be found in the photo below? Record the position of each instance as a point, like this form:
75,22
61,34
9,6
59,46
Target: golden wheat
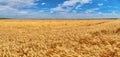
59,38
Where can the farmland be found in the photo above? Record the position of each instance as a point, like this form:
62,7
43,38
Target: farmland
59,38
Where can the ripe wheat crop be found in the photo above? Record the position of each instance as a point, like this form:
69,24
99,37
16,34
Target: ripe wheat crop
59,38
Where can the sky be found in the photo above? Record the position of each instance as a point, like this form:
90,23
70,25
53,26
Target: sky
59,9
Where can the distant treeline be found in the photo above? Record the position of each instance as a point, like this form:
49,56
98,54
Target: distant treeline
5,18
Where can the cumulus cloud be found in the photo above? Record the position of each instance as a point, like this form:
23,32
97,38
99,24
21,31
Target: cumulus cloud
18,3
69,4
7,9
60,9
43,3
12,7
73,2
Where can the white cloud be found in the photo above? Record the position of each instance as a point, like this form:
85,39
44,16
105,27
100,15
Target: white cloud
51,12
43,3
73,2
114,12
18,3
100,4
7,9
11,7
100,13
59,8
23,12
78,7
91,10
69,4
41,11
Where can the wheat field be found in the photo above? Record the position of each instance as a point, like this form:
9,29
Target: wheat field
59,38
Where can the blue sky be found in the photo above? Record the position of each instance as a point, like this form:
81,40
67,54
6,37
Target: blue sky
59,9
